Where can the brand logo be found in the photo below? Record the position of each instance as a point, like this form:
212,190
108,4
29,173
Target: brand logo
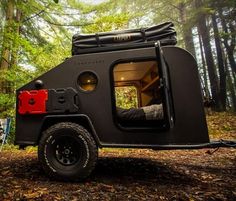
122,37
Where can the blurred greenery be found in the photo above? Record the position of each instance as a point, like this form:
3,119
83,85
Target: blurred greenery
126,97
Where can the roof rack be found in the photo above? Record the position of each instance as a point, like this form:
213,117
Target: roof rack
124,39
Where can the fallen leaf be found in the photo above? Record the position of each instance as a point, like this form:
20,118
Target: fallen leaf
32,195
4,173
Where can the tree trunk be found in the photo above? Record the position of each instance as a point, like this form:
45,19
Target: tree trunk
221,66
187,30
204,32
229,48
17,33
231,89
207,94
6,54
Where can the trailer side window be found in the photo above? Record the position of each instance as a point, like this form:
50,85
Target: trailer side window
87,81
138,98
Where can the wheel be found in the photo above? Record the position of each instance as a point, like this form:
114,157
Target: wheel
67,152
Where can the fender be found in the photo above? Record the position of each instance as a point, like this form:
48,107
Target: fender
82,119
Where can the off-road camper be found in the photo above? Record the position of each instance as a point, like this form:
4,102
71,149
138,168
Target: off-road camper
73,109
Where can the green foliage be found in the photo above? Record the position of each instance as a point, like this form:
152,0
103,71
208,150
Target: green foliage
7,109
107,23
126,97
7,103
49,56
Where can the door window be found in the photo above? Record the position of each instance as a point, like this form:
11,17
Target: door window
138,94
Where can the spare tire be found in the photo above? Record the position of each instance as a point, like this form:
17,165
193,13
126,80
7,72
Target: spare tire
67,151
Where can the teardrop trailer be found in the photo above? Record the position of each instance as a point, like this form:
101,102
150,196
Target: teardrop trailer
72,110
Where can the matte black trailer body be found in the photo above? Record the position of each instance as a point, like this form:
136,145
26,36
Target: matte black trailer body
96,109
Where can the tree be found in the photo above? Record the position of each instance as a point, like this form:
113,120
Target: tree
204,32
230,46
186,27
220,61
5,54
204,68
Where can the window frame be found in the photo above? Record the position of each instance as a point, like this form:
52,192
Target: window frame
80,88
151,124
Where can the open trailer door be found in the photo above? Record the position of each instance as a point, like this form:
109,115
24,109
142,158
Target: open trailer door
165,85
181,81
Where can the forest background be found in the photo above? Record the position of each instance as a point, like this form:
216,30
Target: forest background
35,36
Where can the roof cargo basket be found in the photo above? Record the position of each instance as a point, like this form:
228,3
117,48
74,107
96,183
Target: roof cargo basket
124,39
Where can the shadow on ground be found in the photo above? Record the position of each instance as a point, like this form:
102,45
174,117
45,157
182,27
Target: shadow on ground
112,170
122,178
139,170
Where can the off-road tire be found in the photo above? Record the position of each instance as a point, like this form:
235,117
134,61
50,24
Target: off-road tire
52,152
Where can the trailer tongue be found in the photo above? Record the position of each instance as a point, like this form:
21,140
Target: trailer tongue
211,145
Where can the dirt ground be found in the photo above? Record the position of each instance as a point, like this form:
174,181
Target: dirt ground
126,175
129,174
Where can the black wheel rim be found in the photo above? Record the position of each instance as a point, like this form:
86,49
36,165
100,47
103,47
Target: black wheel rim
67,150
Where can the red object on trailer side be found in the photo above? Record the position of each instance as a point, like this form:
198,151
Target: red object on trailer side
33,101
